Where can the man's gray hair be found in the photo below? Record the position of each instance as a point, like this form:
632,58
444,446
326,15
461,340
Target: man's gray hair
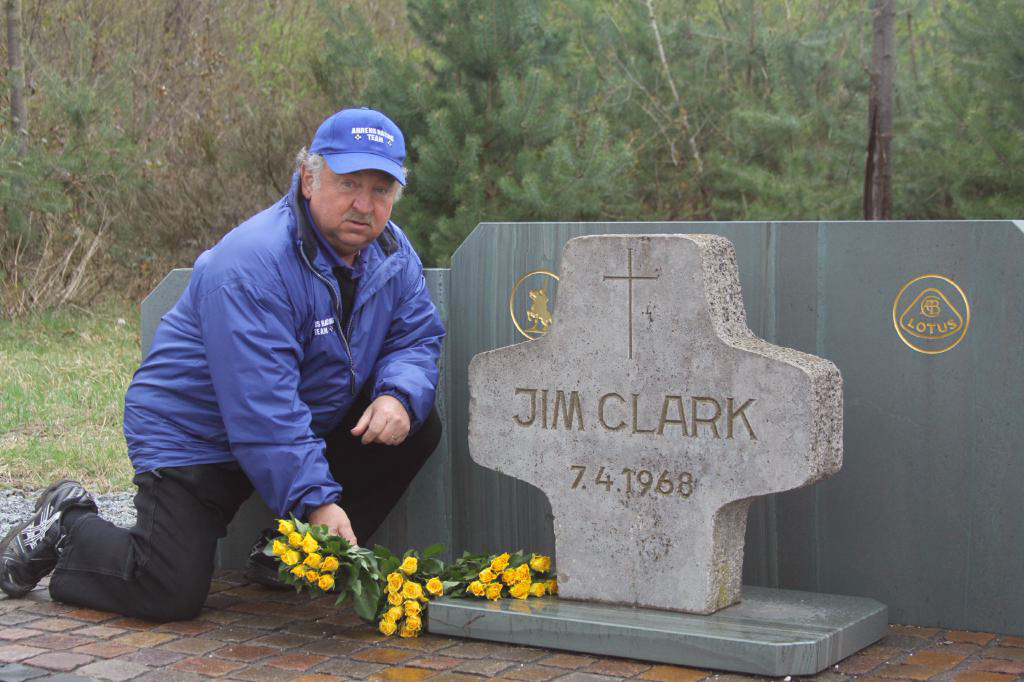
314,163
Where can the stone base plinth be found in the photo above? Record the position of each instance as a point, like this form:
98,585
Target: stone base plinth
770,632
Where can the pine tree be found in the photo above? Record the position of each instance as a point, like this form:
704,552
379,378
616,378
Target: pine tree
967,138
751,110
496,128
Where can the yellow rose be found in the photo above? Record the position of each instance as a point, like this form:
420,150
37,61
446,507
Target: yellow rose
395,598
406,632
523,573
409,565
493,591
299,572
330,564
309,544
499,563
551,587
411,590
294,539
487,575
539,563
476,588
394,614
285,527
395,581
414,623
435,587
537,590
520,590
312,576
290,558
326,582
387,627
412,608
510,576
279,548
313,560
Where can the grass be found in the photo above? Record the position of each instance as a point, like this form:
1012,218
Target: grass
62,380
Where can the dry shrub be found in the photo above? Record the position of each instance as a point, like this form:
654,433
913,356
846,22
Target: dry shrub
154,128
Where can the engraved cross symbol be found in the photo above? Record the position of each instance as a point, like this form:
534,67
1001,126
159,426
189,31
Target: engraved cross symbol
629,277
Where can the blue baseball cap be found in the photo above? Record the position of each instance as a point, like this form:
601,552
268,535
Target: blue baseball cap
361,139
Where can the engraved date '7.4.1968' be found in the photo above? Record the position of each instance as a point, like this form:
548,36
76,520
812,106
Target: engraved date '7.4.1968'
637,482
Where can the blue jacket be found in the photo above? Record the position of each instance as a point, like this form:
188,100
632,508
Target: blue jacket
252,365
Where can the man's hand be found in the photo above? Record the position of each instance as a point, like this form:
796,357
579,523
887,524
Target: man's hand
385,421
336,520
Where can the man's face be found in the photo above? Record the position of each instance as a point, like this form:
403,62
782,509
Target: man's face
351,209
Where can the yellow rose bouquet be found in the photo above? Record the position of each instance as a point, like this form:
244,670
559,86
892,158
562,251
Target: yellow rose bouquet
519,575
309,558
393,591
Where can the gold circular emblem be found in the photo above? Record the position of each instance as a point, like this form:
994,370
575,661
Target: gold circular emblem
931,314
538,313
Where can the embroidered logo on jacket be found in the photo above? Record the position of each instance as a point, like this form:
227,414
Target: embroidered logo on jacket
324,326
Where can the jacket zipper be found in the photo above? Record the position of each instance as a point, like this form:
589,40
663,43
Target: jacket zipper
336,300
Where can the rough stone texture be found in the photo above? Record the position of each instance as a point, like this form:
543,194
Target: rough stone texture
638,395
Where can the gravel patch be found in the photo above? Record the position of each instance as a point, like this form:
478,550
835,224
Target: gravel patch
15,505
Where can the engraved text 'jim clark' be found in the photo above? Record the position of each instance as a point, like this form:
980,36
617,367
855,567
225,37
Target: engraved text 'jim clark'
637,414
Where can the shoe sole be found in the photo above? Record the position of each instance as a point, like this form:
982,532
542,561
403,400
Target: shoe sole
53,486
88,503
8,539
50,489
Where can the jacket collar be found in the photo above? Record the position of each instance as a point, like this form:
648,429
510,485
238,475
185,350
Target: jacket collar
387,241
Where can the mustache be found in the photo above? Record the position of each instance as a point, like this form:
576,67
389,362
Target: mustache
358,217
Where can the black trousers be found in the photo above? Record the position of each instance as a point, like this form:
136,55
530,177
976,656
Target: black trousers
160,569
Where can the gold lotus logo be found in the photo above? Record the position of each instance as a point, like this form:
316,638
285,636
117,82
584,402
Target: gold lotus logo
537,303
931,314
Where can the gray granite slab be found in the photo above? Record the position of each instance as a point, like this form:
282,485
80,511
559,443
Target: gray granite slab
769,632
159,301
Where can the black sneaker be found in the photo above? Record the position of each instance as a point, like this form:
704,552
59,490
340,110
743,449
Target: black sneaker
262,569
30,550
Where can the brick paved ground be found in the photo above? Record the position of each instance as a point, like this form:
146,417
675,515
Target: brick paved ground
248,633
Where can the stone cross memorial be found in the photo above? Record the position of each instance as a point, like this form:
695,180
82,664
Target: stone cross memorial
651,416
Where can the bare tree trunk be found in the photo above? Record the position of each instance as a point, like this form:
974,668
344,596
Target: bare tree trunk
913,51
684,117
19,112
16,71
877,169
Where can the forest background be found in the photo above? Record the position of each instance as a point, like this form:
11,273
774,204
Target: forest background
153,128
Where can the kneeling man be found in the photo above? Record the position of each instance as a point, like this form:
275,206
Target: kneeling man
300,361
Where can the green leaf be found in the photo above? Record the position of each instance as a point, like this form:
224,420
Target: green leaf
353,578
383,554
387,565
433,550
366,600
341,590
